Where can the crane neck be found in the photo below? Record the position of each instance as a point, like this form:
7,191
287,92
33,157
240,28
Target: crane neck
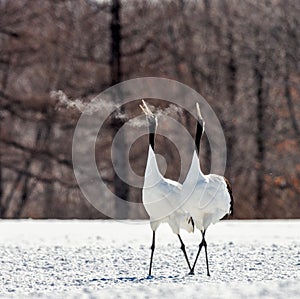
152,131
199,132
152,140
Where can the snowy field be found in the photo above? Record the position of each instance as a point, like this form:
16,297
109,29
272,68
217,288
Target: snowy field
109,259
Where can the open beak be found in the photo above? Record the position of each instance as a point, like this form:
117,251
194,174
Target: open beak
145,108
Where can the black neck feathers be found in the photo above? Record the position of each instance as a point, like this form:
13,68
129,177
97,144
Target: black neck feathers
199,132
152,129
152,139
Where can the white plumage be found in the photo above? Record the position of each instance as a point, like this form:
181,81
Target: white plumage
208,198
162,197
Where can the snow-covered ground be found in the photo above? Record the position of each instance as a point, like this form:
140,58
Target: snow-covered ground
110,259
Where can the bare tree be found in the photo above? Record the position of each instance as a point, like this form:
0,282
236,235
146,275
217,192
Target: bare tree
242,56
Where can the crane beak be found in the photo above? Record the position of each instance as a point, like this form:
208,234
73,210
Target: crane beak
146,109
198,111
143,109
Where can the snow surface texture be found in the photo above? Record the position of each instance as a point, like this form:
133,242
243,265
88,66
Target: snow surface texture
110,259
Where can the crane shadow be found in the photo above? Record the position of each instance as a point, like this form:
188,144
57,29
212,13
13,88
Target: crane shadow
133,278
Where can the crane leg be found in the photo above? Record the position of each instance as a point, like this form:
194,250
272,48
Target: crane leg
203,243
184,252
152,252
205,248
199,250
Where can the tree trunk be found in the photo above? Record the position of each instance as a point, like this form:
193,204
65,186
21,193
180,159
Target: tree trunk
289,101
26,188
120,187
115,30
50,207
4,86
231,69
260,113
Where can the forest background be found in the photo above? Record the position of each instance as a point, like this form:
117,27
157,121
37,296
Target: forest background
241,56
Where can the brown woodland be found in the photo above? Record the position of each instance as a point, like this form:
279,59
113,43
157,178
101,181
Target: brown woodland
243,57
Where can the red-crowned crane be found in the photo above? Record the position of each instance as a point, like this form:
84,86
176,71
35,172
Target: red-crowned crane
162,197
208,198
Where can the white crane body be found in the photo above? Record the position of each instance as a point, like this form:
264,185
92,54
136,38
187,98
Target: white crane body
162,197
208,198
205,197
162,200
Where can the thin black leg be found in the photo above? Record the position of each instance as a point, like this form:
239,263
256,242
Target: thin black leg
152,251
203,243
199,250
184,252
205,247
